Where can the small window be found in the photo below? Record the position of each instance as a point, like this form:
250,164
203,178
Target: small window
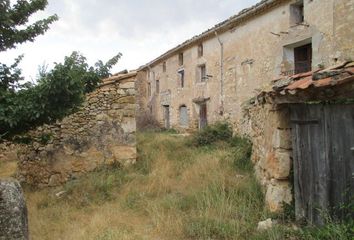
181,78
297,13
164,67
149,89
157,86
200,50
202,73
180,59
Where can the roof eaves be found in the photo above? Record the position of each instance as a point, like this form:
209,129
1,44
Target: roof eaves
220,27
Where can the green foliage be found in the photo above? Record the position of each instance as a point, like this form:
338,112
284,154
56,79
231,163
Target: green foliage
220,131
14,30
58,93
241,153
45,138
94,188
13,22
204,228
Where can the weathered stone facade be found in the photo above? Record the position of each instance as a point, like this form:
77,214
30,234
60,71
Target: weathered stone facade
101,132
216,72
242,54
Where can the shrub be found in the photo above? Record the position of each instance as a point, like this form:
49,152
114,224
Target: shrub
145,121
219,131
241,153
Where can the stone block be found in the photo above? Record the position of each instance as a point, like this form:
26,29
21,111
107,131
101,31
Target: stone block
278,164
282,139
123,153
128,124
280,119
127,99
278,193
13,212
127,85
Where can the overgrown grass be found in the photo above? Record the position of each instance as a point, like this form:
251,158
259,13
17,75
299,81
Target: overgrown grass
177,190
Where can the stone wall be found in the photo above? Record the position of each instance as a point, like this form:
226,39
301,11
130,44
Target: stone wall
269,128
101,132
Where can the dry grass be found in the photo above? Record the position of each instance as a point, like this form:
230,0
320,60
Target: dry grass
175,191
7,168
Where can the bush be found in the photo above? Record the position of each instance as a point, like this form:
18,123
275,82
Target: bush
241,153
145,121
57,93
220,131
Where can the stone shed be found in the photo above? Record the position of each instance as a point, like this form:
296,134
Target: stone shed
303,133
101,132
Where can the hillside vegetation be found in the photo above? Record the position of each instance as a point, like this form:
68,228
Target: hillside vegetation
181,188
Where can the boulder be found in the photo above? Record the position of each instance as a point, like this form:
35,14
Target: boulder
13,211
265,225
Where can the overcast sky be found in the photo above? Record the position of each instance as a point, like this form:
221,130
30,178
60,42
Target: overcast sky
140,30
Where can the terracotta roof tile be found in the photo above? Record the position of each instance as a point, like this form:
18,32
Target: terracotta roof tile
327,78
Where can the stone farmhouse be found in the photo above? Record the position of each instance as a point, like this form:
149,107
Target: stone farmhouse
259,70
210,76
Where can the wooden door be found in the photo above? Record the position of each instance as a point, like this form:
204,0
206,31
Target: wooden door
167,117
323,152
303,58
203,117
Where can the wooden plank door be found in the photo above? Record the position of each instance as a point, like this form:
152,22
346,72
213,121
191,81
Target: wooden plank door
203,117
323,137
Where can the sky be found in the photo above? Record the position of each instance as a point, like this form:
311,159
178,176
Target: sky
99,29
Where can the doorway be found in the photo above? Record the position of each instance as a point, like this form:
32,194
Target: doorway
203,117
166,109
323,153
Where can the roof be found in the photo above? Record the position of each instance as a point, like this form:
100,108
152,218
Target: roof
219,28
323,84
117,78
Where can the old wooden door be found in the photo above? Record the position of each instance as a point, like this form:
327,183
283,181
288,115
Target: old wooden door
167,116
203,117
323,149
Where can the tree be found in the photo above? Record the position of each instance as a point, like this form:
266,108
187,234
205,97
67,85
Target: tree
14,30
13,20
57,93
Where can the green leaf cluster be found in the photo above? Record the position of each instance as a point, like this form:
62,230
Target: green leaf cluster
57,93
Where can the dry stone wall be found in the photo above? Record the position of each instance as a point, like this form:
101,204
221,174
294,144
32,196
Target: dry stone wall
101,132
269,128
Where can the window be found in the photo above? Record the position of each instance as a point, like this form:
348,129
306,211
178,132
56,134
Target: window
202,73
164,67
297,13
157,86
200,50
181,78
149,89
303,58
180,59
